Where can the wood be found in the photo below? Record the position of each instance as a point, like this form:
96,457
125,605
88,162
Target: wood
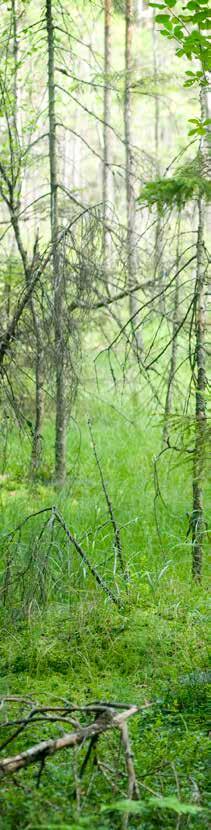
108,720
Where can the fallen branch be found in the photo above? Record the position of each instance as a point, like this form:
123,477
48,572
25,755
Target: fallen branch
38,753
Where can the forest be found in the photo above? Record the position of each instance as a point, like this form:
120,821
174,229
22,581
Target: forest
105,378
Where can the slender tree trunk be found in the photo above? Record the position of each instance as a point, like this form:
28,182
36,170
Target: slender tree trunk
132,236
36,455
141,12
60,426
15,58
198,520
198,523
107,172
158,265
173,359
138,11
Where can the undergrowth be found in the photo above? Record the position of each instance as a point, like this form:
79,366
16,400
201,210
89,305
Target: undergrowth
64,638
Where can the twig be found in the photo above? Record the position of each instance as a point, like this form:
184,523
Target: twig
92,746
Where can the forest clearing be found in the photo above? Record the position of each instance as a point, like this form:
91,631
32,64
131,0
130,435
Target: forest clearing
105,474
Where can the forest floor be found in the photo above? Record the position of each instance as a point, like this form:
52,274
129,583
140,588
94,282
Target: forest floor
63,638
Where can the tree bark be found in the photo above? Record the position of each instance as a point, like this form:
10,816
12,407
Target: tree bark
132,236
198,520
141,12
158,265
107,172
36,455
39,398
60,425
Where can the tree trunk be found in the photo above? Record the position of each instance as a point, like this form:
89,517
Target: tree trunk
36,456
60,426
198,520
158,265
142,12
132,236
107,172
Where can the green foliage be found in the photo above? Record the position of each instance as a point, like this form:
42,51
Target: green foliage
185,28
155,802
189,29
186,185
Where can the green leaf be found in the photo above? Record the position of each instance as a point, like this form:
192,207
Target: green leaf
165,19
200,17
197,131
158,802
178,33
192,5
170,802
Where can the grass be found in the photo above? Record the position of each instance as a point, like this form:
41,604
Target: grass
65,638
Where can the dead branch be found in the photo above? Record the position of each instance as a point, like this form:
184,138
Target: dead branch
86,561
39,752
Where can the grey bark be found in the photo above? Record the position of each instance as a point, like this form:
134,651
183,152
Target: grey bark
198,523
37,442
158,265
107,172
142,12
132,236
37,328
60,425
198,519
